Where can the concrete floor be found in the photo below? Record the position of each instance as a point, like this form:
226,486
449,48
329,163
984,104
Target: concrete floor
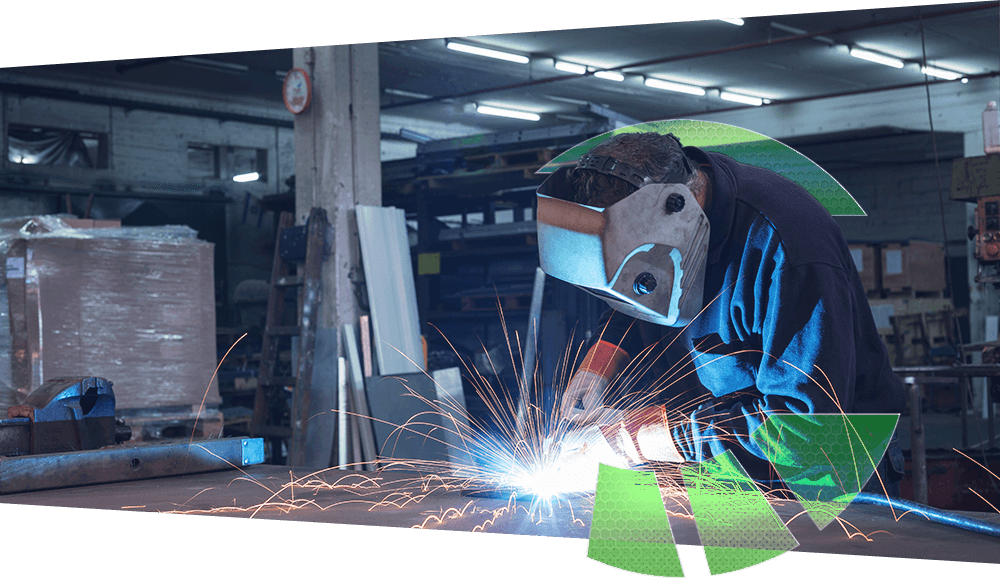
389,500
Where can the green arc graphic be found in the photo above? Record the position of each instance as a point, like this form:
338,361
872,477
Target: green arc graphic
745,146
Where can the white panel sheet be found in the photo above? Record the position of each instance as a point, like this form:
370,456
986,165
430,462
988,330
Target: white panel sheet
392,296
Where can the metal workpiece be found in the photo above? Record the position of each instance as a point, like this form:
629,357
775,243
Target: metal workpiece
252,451
126,463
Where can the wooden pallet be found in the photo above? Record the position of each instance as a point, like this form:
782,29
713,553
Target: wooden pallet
922,338
907,293
151,424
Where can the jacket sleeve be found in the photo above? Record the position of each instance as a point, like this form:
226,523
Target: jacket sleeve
802,319
619,330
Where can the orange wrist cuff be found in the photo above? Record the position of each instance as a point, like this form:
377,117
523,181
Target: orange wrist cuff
605,359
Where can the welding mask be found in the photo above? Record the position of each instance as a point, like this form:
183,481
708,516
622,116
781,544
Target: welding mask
645,255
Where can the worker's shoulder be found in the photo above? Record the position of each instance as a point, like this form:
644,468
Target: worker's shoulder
807,231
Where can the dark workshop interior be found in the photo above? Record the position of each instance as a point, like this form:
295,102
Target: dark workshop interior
326,260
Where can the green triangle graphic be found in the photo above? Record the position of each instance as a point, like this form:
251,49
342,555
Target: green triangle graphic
737,526
825,459
629,529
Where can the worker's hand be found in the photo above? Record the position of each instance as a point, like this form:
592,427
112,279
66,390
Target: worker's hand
581,402
643,436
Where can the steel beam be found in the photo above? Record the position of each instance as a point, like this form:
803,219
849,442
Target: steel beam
126,463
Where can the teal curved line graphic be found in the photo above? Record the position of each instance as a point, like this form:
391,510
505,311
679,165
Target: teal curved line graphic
824,459
745,146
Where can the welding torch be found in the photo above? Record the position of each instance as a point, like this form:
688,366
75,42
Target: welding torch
638,437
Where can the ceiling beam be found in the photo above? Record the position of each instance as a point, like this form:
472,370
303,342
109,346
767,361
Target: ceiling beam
76,96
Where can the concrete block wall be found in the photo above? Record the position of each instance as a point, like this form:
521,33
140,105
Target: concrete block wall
902,203
149,149
148,152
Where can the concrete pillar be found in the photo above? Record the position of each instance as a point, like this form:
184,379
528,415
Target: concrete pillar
337,166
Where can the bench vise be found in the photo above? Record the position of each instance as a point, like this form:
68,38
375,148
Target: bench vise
65,434
63,415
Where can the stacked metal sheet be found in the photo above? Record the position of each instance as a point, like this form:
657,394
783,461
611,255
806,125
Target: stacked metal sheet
392,296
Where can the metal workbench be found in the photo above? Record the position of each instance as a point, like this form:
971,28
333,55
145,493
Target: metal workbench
916,378
384,500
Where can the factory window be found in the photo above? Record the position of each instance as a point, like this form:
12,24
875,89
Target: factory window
203,161
242,163
239,164
33,145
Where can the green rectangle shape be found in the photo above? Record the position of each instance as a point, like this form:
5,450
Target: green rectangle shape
646,558
429,264
737,526
629,529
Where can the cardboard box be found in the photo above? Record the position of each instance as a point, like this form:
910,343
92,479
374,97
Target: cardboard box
134,305
92,223
913,266
884,309
866,262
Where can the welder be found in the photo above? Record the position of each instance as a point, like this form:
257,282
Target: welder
733,296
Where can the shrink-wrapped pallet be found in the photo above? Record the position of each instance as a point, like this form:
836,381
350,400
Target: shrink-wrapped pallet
135,305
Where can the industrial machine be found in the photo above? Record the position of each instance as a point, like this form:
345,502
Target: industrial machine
65,434
977,179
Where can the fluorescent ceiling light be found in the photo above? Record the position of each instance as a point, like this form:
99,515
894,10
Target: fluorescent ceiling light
575,101
519,114
246,177
610,75
468,48
414,136
219,65
675,86
406,93
570,67
965,80
741,98
940,73
735,21
876,57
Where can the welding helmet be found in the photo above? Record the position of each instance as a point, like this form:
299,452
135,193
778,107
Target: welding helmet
644,255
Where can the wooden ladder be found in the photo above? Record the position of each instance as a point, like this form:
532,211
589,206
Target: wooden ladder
269,419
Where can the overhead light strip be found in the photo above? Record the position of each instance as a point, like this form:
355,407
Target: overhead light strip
246,177
940,73
570,67
876,57
675,86
489,52
406,93
506,112
733,21
740,98
610,75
